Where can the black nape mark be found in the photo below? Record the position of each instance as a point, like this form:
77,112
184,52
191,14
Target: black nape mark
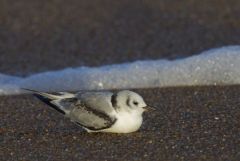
114,100
128,101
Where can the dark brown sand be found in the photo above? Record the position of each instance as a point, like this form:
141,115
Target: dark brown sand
191,123
40,35
200,123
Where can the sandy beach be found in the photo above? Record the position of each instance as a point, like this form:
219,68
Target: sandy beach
191,123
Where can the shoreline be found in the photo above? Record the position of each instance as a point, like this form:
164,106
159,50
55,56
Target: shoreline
197,123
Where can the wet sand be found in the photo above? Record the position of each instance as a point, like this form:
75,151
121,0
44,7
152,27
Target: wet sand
196,123
191,123
36,36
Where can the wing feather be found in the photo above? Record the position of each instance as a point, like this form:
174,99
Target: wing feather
92,110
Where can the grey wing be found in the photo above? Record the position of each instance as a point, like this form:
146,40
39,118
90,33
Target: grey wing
100,101
87,114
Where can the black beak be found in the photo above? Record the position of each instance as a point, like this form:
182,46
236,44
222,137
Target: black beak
149,108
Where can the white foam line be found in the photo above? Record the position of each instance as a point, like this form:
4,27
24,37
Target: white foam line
214,67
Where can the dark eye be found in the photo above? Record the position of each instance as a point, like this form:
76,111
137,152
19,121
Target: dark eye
135,103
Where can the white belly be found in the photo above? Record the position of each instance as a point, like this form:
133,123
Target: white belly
126,123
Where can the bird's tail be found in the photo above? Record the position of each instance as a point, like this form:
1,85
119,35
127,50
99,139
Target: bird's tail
52,99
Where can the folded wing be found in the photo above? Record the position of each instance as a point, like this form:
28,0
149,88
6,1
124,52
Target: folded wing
92,110
89,117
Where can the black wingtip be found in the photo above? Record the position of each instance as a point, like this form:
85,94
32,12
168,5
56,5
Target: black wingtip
30,90
48,102
44,99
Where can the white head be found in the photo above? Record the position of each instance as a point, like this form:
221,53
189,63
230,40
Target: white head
129,101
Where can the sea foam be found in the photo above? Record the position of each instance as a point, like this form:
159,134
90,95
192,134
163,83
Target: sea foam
219,66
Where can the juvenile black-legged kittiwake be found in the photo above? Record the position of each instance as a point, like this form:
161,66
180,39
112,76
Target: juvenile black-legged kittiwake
119,112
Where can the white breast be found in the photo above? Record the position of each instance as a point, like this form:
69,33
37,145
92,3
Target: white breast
126,123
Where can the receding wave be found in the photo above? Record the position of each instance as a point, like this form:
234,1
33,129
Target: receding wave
219,66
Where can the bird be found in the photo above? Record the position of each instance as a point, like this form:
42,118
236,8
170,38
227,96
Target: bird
99,111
